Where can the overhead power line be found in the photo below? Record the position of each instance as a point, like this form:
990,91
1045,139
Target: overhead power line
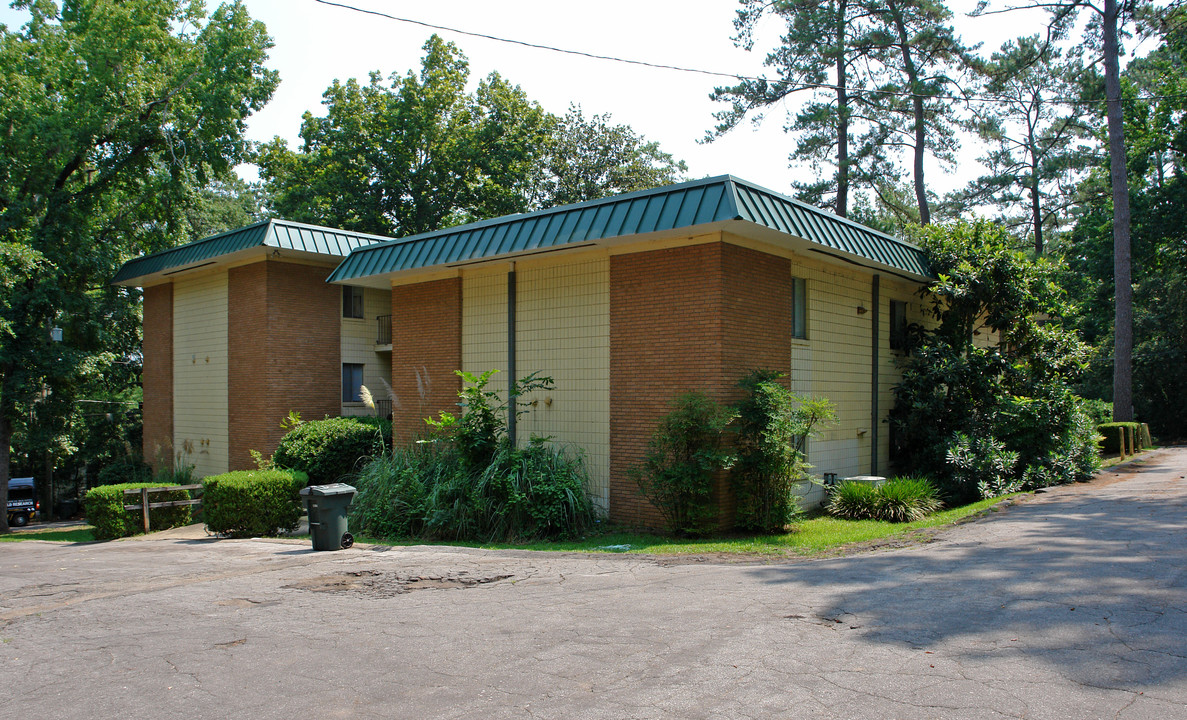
717,73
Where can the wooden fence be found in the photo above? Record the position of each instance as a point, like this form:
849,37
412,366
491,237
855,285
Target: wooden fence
145,505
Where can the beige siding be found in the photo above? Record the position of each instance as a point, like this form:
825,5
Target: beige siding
562,331
200,373
484,325
358,346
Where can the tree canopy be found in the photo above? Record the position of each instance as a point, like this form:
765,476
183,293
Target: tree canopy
419,153
113,113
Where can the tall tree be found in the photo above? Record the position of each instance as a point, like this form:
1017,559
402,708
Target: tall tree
112,110
820,55
1155,89
878,75
1104,35
1038,141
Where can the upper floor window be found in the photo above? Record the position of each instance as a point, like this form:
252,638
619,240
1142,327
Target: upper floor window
898,325
352,301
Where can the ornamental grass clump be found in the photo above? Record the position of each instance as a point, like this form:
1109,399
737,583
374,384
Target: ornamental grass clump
899,500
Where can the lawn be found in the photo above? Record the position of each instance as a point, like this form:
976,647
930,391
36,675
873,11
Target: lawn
815,536
84,533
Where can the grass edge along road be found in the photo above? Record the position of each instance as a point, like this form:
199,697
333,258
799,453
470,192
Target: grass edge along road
820,535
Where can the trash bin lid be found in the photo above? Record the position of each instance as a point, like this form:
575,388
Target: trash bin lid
333,489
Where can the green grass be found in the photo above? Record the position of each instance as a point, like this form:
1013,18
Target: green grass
814,536
79,534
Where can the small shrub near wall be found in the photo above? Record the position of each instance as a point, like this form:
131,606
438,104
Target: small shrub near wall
104,506
252,503
327,450
685,453
898,500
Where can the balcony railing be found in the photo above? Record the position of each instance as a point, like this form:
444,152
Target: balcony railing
383,334
383,408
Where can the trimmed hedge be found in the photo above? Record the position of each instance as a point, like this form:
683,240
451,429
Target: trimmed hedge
1111,445
328,449
104,507
252,503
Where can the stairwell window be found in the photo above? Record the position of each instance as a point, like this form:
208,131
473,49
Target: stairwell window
352,382
799,308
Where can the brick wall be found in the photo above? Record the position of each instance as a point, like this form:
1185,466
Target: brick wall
689,318
157,376
426,350
283,340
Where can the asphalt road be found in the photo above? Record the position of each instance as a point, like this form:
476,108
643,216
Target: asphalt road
1072,604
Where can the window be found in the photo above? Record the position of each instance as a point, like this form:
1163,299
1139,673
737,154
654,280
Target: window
898,325
352,301
799,308
352,382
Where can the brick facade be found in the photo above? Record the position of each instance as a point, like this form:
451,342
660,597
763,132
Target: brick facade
688,318
426,352
157,376
283,340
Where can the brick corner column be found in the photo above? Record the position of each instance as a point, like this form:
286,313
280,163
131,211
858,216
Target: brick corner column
426,353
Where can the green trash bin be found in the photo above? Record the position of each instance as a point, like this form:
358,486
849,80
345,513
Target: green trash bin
327,515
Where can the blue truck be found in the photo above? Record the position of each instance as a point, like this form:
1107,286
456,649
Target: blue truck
22,501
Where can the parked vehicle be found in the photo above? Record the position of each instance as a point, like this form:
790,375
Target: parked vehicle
22,501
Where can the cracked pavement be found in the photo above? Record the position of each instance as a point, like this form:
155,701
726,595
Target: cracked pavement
1071,604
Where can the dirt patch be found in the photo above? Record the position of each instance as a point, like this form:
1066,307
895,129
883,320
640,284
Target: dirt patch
375,583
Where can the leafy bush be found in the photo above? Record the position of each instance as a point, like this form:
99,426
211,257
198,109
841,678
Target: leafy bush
683,456
981,467
477,432
252,503
328,449
897,500
104,507
1012,394
773,425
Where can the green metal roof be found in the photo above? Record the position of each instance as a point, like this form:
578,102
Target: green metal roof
282,234
672,207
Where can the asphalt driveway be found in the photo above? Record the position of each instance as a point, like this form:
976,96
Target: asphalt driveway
1072,604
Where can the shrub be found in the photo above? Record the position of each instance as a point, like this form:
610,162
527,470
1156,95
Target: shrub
535,492
853,500
773,425
683,456
393,490
1110,443
906,500
252,503
980,467
897,500
477,432
104,507
328,449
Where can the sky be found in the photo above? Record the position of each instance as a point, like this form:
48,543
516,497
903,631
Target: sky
317,43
